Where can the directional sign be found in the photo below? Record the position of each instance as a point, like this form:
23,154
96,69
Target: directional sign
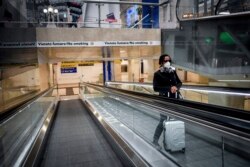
69,70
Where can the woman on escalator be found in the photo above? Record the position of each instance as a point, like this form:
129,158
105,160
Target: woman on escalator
167,83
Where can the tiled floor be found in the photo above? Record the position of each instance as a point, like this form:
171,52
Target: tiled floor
69,91
75,140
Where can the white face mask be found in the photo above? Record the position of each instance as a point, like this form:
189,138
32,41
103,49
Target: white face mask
167,64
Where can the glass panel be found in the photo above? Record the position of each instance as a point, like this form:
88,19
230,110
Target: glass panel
202,146
187,9
19,132
18,88
222,98
233,154
197,144
119,114
207,46
27,13
231,99
201,8
136,87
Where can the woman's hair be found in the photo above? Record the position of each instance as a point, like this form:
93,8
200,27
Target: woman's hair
162,57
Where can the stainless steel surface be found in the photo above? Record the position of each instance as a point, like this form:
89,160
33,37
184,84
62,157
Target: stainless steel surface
36,148
141,117
19,133
136,160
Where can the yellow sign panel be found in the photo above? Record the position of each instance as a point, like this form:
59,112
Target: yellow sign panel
86,64
78,63
117,61
69,64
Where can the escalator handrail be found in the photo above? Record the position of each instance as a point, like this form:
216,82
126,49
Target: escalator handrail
228,124
245,91
231,90
239,14
231,112
10,113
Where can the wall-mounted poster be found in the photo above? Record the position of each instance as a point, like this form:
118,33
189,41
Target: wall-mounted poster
132,16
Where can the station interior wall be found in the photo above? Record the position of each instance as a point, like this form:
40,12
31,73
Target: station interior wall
40,75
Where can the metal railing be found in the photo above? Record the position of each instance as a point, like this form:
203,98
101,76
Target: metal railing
19,132
95,24
217,129
201,94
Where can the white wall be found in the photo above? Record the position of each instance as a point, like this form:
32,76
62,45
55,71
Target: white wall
29,78
148,70
84,73
134,70
91,73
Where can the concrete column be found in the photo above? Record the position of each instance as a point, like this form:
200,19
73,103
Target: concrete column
44,76
5,85
116,64
117,70
134,70
51,75
149,70
44,71
133,64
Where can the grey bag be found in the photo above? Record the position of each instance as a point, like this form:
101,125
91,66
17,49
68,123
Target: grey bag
174,135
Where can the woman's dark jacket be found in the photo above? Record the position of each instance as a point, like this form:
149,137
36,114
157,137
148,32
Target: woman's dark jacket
164,80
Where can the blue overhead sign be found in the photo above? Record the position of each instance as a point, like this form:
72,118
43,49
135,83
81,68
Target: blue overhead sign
69,70
152,21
